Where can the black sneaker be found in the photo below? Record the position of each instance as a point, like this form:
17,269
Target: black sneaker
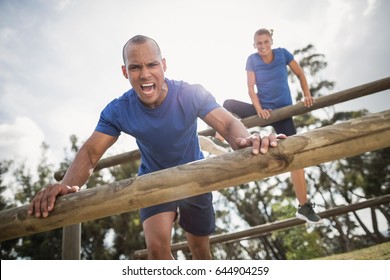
306,213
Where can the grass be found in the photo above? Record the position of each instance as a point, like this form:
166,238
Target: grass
377,252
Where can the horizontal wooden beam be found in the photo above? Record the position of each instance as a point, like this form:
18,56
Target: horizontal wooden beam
320,102
107,162
277,115
277,225
325,144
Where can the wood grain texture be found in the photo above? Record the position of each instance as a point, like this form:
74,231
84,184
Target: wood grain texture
277,115
329,143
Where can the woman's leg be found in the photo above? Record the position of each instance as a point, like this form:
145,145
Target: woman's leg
239,108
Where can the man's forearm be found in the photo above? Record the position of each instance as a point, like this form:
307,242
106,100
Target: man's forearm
237,130
80,170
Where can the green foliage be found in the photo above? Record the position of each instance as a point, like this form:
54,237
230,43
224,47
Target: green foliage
312,64
375,252
299,242
40,246
5,203
343,116
116,237
7,251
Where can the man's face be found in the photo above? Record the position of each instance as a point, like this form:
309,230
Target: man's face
145,70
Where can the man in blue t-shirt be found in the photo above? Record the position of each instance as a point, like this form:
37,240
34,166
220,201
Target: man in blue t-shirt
162,115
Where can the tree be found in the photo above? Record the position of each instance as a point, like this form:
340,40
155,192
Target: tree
115,237
7,251
39,246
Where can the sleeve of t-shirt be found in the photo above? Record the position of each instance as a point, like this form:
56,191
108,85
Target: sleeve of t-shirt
105,124
249,64
288,56
204,101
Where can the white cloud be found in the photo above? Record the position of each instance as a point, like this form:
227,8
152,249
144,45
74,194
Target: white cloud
61,5
20,140
371,5
60,60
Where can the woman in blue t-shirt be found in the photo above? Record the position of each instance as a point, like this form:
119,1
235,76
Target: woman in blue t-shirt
267,71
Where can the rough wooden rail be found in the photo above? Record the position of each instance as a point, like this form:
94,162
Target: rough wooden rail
277,225
277,115
322,145
320,102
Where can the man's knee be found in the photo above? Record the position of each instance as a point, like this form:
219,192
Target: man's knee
201,253
199,246
158,250
157,231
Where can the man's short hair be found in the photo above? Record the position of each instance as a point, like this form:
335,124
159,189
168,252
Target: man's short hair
138,40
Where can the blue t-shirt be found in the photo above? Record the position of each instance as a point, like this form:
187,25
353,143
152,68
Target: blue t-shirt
166,135
271,79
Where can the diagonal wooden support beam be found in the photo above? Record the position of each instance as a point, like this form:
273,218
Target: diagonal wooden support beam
329,143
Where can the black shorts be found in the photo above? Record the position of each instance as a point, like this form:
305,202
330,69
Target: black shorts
196,214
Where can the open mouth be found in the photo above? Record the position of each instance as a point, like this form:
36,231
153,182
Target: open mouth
148,88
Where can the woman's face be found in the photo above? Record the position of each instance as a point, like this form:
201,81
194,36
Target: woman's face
263,44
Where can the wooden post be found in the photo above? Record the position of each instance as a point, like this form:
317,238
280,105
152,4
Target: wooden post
328,143
71,242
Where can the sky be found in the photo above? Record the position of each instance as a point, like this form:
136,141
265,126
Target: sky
60,60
